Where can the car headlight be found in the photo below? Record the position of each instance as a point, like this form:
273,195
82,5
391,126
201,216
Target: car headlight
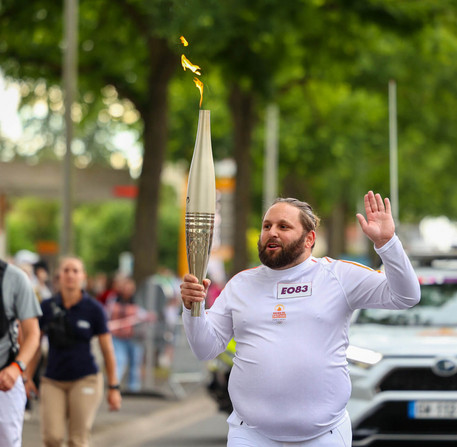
362,357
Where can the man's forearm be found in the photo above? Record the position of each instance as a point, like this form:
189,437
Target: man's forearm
202,338
30,340
400,274
33,364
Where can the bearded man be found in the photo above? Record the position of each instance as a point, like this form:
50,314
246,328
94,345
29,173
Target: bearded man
290,384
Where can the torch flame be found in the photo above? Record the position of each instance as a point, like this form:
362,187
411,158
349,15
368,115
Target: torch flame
186,63
199,85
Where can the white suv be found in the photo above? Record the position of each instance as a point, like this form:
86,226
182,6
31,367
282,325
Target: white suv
403,365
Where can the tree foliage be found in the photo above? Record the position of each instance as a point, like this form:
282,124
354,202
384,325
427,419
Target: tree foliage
29,221
326,63
103,230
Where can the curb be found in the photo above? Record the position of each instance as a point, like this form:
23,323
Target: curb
159,423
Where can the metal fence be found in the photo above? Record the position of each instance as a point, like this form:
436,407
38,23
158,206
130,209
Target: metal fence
186,368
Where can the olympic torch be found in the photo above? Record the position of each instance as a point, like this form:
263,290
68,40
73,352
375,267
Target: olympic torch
200,204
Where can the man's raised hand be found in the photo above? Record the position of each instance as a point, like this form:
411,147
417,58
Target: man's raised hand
379,225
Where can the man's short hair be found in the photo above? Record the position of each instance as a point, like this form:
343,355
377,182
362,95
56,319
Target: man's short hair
308,218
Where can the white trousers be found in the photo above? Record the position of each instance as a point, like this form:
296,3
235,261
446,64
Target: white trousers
240,435
12,408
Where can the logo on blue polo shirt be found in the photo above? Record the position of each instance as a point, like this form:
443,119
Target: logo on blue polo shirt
83,324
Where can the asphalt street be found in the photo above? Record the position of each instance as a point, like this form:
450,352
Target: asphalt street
208,432
142,420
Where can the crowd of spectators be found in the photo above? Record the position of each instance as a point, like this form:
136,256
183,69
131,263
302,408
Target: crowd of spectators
130,309
139,318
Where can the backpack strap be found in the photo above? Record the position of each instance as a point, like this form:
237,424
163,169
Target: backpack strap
4,323
3,266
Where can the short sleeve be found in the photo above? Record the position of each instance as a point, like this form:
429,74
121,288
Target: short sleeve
100,319
18,291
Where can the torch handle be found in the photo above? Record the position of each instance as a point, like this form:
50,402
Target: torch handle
199,236
196,309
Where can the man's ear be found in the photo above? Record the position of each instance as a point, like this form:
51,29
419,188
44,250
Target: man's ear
310,239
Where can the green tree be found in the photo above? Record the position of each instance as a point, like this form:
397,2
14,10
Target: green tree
334,132
125,44
102,233
29,221
326,63
103,230
327,53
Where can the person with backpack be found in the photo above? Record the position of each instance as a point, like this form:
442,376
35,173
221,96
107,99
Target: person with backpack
19,311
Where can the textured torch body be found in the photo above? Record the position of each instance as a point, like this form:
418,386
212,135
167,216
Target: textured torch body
200,204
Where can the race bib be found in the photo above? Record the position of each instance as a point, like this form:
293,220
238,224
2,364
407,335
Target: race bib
293,290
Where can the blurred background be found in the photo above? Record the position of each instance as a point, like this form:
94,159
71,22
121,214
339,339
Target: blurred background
316,99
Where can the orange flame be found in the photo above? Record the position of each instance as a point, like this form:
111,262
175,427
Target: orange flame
199,85
186,63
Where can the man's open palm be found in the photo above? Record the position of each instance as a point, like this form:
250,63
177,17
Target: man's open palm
379,225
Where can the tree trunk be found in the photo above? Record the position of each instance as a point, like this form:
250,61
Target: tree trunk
155,117
336,238
243,118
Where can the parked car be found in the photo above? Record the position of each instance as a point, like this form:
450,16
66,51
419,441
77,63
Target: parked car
403,364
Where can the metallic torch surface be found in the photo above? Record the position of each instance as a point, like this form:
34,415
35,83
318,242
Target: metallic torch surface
200,204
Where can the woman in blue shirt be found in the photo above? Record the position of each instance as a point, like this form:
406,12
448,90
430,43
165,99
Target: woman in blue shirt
72,386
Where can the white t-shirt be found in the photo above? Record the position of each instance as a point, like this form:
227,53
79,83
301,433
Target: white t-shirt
290,378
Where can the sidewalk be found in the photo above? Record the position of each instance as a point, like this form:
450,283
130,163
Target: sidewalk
178,398
142,417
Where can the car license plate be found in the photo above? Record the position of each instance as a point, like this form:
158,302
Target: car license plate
432,409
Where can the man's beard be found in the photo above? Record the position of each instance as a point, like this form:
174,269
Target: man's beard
287,255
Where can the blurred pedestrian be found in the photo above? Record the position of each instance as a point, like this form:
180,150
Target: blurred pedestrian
112,287
166,340
150,295
214,290
126,323
290,318
41,280
99,283
18,303
72,386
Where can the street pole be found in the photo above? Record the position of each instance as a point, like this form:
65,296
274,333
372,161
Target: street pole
270,171
393,150
69,81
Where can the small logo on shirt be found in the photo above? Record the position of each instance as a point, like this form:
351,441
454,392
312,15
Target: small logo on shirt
83,324
294,290
279,314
